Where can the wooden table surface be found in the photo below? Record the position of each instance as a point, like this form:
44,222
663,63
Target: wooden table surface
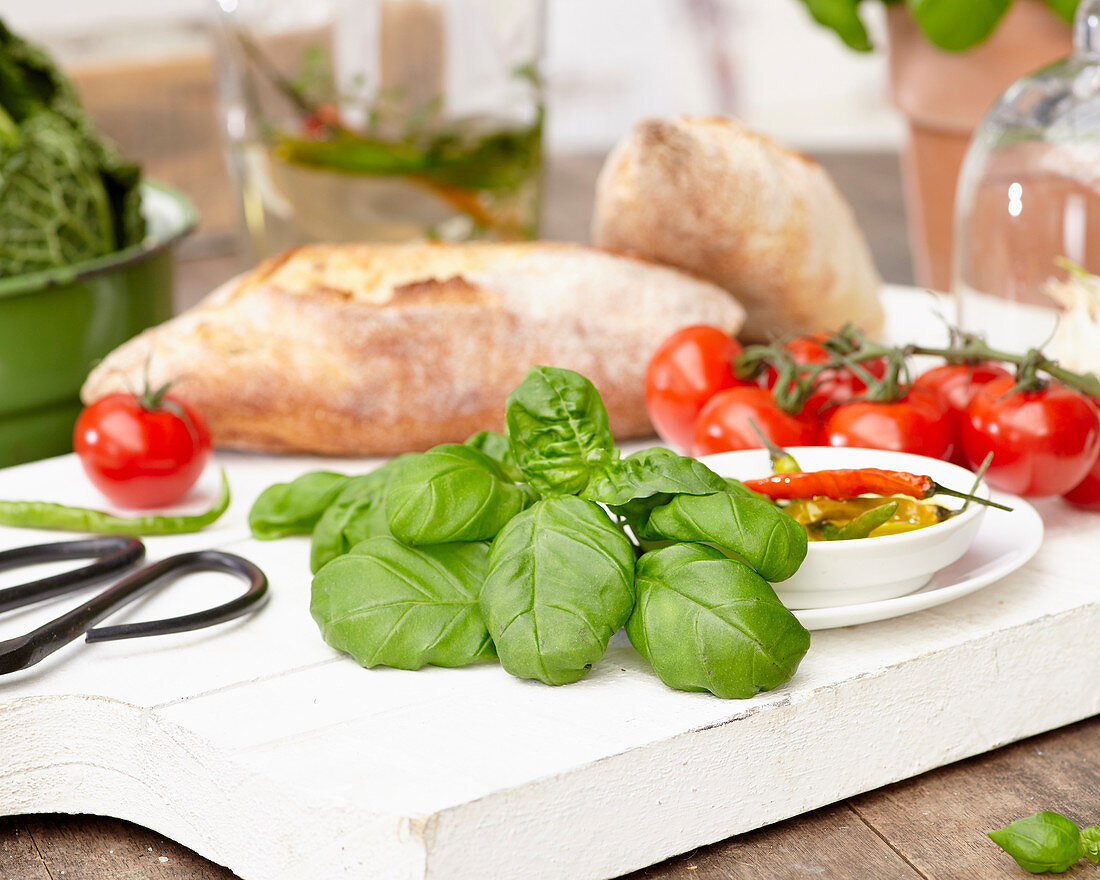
932,826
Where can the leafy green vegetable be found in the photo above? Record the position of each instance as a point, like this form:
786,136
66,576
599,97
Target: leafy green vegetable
560,584
755,530
391,605
1090,842
498,448
452,493
953,25
67,194
60,212
957,26
294,508
709,623
841,16
1065,8
559,430
404,576
1047,842
357,513
651,472
736,487
862,525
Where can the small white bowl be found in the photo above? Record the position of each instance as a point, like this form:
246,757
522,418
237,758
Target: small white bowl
868,569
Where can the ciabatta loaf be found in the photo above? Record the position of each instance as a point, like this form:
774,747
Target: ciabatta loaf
379,349
730,205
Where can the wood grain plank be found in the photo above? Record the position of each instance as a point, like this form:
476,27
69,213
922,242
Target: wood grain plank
97,848
939,820
19,858
831,842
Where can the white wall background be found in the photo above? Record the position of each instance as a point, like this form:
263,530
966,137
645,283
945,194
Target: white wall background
608,63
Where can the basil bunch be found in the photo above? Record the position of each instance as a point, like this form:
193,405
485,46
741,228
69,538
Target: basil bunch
953,25
1048,842
526,547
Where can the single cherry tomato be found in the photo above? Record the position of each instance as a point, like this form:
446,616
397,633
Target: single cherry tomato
835,386
142,451
686,371
955,386
916,423
1086,494
1043,442
726,422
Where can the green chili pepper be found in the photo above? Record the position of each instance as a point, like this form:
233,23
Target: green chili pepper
862,525
782,461
46,515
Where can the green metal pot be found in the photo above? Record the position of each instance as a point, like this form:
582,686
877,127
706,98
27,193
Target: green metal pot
55,325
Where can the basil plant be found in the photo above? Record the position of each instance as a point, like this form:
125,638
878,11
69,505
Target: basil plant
954,25
536,546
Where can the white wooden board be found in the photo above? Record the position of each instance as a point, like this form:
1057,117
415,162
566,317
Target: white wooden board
259,747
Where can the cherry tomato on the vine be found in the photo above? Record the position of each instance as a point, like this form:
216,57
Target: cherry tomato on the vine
916,423
686,371
1086,494
955,386
726,422
142,451
835,386
1044,442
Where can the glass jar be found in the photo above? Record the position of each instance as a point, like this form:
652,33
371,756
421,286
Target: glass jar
383,120
1027,211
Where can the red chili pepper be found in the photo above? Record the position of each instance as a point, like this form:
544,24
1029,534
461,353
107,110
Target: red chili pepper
851,482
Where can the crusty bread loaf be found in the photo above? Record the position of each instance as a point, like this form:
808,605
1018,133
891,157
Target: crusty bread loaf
712,197
379,349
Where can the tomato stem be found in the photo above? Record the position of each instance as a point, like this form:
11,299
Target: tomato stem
849,350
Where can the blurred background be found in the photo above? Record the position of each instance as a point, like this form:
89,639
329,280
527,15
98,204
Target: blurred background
146,72
287,121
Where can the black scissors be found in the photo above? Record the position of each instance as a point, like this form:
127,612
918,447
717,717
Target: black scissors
112,556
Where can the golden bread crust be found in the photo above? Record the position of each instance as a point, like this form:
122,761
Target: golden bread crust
381,349
711,197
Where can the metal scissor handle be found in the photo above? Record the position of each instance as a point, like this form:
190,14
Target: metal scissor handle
111,554
26,650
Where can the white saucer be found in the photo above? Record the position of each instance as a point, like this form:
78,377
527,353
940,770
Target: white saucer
1004,543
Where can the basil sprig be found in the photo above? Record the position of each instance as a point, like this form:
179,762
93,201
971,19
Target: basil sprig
948,24
525,546
1048,843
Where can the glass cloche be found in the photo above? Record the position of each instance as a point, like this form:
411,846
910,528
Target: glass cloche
1027,213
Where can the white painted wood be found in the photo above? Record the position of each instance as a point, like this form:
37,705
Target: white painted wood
259,747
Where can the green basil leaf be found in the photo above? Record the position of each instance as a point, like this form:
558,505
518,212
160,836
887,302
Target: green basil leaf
558,429
1090,843
709,623
736,487
1043,843
452,493
841,17
636,513
651,472
357,513
956,26
294,508
755,530
560,584
391,605
1067,9
497,447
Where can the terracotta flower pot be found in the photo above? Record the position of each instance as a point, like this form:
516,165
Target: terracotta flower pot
944,95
